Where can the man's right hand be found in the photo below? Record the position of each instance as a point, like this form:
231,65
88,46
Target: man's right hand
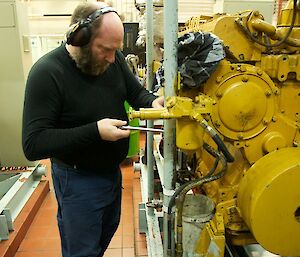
109,129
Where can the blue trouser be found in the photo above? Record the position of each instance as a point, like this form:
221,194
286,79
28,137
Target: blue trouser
89,207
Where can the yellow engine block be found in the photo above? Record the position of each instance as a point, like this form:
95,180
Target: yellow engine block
252,101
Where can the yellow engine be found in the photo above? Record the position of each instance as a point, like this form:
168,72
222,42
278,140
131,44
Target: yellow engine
252,103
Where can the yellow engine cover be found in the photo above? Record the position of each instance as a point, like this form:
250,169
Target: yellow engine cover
269,201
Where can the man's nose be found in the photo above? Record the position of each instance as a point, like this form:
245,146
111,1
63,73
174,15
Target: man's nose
110,57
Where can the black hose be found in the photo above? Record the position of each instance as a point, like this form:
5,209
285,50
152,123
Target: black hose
217,140
223,148
211,151
206,179
182,194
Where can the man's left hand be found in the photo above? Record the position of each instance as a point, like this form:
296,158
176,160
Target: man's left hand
158,102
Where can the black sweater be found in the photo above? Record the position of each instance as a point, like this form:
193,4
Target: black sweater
62,106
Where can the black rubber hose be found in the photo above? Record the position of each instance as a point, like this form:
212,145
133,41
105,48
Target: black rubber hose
217,140
203,180
223,148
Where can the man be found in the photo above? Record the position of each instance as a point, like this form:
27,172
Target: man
73,111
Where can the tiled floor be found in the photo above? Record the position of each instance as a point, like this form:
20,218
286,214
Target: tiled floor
42,238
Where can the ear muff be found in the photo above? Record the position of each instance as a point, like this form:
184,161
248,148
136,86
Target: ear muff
80,33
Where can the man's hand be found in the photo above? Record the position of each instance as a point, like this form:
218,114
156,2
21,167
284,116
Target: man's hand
158,102
109,129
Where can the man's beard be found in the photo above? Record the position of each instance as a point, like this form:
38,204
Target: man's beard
87,63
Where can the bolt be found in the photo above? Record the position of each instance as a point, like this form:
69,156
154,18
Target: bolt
240,136
268,93
282,111
274,118
295,143
219,94
171,103
265,122
245,78
231,210
256,13
243,68
219,79
217,123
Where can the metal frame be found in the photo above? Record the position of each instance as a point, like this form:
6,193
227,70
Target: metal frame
152,228
17,195
156,247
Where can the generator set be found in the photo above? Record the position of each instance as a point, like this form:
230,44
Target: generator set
239,135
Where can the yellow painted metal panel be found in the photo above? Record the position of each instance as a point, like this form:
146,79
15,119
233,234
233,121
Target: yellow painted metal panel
269,200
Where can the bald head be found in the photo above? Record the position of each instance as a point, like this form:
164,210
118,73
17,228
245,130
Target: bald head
111,27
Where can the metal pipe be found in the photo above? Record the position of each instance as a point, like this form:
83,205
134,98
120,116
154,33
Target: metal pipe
149,81
272,32
259,25
151,114
170,65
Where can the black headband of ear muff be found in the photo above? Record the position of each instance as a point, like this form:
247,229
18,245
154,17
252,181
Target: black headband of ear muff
80,33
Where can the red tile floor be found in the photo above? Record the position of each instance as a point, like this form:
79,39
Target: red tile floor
42,237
